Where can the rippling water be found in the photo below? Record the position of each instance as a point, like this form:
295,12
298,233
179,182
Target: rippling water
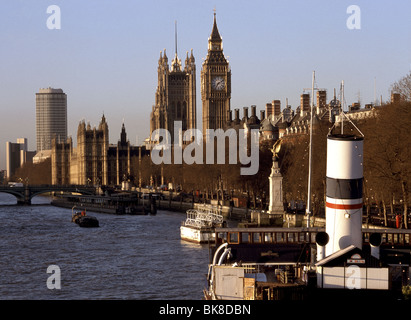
127,257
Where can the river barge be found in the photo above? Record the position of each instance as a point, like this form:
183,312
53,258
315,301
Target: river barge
200,224
124,203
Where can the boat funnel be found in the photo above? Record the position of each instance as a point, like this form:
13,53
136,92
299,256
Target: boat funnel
344,191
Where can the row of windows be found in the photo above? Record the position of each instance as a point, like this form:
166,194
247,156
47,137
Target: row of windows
300,237
391,238
266,237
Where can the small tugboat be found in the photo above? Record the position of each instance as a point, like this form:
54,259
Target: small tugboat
200,224
83,220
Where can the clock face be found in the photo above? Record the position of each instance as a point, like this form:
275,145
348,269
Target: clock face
218,83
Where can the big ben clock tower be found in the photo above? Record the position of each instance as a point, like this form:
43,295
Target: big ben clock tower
215,84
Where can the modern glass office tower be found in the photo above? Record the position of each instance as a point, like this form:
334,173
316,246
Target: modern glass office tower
51,117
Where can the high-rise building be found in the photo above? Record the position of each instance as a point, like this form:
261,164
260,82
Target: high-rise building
51,117
215,84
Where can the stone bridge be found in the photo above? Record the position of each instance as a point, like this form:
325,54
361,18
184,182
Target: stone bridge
25,193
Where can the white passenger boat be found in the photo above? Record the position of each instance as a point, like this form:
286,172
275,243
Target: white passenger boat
200,224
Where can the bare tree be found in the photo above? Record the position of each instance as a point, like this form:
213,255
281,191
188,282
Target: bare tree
403,87
387,155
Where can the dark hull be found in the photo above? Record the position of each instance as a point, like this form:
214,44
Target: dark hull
87,222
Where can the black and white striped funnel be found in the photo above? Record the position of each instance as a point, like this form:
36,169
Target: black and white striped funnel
344,191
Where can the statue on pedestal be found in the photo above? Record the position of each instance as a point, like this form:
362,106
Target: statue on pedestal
276,149
276,183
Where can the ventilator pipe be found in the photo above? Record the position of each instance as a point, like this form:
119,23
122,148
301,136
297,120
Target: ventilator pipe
210,269
321,240
375,242
218,251
226,252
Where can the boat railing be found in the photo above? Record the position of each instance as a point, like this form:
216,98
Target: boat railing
209,207
203,218
195,223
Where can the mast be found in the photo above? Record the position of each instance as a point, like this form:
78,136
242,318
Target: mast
375,91
308,209
342,114
342,107
176,64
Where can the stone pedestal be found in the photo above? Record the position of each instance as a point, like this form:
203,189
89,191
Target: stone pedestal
276,190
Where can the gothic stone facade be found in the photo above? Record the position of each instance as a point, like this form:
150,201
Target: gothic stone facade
175,98
94,160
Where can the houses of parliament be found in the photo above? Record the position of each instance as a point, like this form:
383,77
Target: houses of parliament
175,98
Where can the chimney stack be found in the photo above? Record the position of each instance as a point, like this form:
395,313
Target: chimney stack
245,112
262,115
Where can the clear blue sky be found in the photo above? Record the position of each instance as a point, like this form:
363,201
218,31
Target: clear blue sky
105,55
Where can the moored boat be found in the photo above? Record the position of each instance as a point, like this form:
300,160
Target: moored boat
200,224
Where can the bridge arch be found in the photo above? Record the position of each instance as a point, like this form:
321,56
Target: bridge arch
18,195
26,193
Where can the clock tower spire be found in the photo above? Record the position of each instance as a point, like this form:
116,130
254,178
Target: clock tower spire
214,41
215,83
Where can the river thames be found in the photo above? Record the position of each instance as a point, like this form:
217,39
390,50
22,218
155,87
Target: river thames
127,257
